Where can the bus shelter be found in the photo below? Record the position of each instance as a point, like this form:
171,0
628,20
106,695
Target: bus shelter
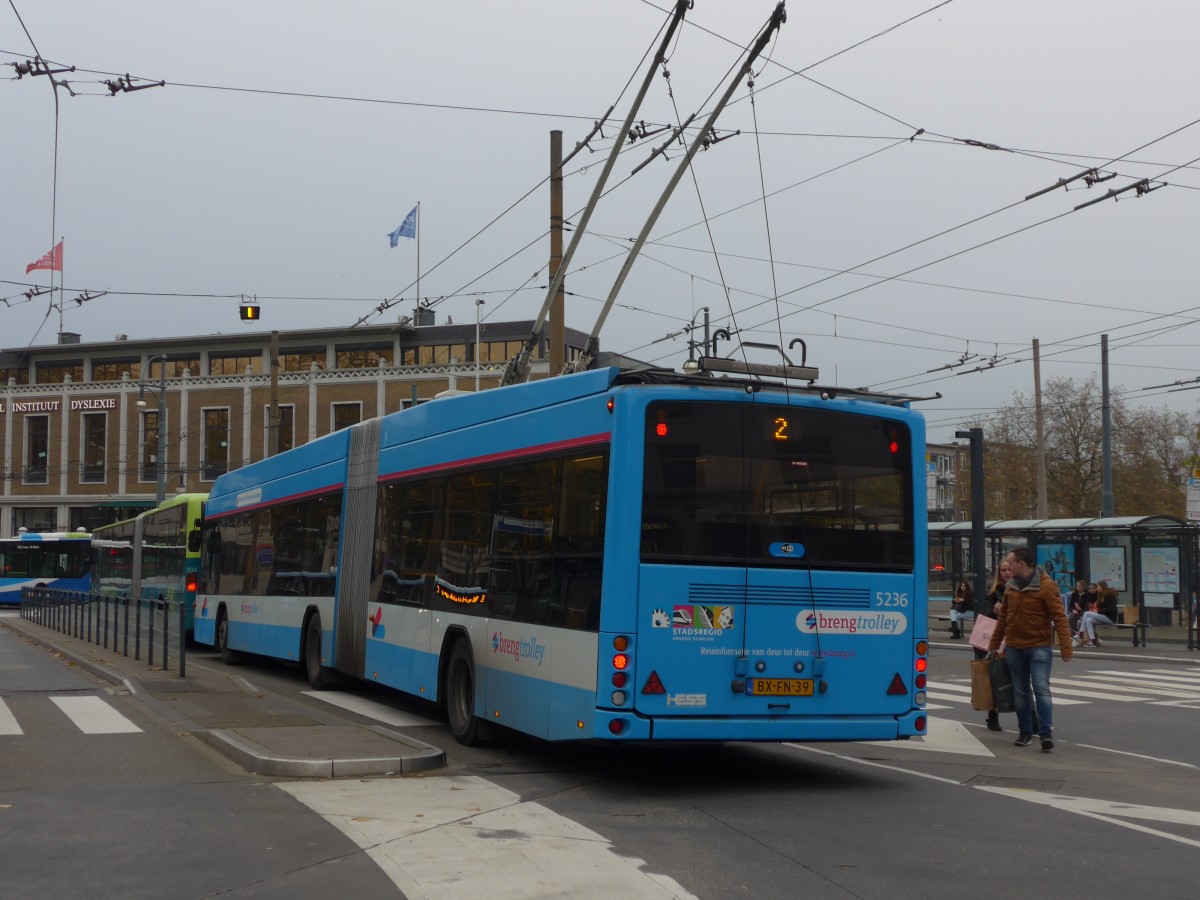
1150,561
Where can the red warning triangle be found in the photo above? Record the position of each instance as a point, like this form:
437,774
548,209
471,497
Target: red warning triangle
653,685
897,686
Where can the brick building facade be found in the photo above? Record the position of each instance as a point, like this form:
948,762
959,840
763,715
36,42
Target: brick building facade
80,451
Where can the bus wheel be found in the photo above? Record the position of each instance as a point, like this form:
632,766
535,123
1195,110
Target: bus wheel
318,675
460,694
228,656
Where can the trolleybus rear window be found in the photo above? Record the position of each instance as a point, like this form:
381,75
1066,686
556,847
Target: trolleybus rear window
753,484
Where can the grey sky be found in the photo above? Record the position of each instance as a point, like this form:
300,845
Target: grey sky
191,191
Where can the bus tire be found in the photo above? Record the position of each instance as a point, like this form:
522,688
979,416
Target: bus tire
228,656
460,694
318,675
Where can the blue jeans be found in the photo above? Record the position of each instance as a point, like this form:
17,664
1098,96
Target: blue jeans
1031,666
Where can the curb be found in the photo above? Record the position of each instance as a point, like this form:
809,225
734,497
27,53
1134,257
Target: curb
260,760
1084,654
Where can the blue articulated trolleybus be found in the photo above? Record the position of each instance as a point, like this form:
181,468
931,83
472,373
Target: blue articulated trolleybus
611,556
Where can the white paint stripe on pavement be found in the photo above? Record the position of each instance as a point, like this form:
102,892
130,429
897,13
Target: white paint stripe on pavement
1108,811
965,689
8,722
1149,677
1192,675
462,836
942,736
92,715
1144,688
378,711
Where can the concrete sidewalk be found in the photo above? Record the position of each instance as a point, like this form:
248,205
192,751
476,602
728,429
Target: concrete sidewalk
263,732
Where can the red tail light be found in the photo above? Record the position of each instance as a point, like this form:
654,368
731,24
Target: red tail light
192,583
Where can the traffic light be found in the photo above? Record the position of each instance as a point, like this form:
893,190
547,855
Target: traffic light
249,312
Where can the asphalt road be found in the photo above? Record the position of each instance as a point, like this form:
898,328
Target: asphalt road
1113,811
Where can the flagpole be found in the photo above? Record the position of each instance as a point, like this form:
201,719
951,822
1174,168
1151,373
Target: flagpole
418,230
62,280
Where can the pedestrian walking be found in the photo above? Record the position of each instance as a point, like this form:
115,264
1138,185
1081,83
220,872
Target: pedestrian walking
989,606
1030,615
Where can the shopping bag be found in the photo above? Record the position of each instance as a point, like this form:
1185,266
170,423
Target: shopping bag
1002,685
981,634
981,685
1129,615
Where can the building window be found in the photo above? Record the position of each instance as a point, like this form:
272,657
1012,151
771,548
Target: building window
234,364
216,443
37,449
148,471
35,518
95,435
115,369
18,374
175,367
366,358
287,427
346,414
57,373
500,351
441,354
301,360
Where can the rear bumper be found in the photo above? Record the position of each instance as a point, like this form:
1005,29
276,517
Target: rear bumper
807,728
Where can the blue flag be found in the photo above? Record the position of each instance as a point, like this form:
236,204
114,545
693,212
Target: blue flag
408,229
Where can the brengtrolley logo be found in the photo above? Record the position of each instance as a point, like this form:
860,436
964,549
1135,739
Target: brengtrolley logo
518,648
828,622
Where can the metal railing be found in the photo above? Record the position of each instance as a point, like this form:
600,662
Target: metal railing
124,625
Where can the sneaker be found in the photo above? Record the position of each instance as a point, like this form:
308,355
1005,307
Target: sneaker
1076,641
1024,739
1047,743
1096,642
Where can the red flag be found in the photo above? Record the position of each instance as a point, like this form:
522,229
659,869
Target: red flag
52,260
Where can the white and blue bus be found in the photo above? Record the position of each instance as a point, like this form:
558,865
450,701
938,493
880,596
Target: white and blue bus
154,556
599,556
59,560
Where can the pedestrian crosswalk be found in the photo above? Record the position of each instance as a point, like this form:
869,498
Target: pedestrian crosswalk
91,715
1177,686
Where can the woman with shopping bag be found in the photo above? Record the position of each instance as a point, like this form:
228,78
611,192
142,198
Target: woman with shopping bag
986,610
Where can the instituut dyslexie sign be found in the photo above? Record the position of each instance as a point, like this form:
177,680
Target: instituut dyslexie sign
35,406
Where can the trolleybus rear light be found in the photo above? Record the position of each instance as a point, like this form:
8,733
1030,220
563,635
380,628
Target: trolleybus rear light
921,664
919,699
620,661
897,686
618,698
610,404
661,429
920,682
920,723
620,679
620,642
616,726
922,648
192,583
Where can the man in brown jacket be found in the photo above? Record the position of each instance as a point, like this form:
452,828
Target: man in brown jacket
1030,614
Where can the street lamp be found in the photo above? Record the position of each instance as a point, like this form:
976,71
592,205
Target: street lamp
479,301
160,459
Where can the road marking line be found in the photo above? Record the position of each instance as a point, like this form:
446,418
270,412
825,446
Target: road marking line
92,715
371,709
872,763
1107,811
8,722
966,691
1171,762
462,836
1148,677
